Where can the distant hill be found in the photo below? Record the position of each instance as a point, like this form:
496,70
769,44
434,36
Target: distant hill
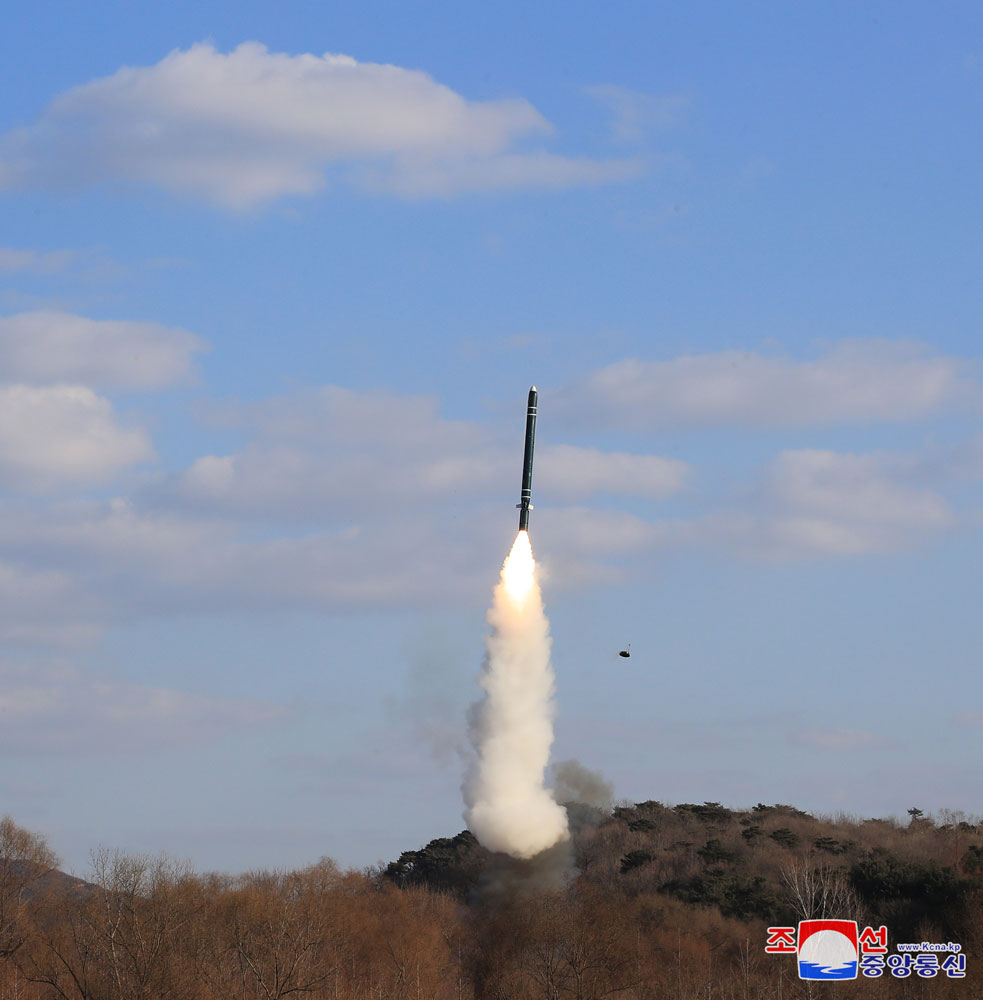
55,882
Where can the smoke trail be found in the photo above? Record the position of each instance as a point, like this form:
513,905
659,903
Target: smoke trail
509,808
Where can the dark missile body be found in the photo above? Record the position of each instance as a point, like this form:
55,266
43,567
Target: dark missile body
525,497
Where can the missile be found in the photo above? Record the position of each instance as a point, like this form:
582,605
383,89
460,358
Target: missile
525,497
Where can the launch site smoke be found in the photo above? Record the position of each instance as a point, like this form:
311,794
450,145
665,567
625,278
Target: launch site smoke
508,806
588,799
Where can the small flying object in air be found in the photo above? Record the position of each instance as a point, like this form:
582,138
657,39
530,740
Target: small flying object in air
626,652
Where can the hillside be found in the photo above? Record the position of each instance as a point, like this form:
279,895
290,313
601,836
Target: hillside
647,902
764,863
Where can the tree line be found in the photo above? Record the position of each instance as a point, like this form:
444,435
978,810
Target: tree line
649,901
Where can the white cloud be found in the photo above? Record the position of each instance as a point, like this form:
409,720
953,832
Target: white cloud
855,382
48,346
592,532
818,502
508,171
131,564
44,606
34,260
966,459
333,453
93,564
54,705
398,505
339,453
342,500
634,114
63,434
590,547
851,503
571,472
251,125
136,564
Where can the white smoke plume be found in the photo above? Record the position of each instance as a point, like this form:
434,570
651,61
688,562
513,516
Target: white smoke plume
509,807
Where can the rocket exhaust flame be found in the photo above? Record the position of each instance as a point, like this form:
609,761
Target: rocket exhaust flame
509,808
519,571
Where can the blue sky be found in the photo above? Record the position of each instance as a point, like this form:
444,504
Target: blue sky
274,281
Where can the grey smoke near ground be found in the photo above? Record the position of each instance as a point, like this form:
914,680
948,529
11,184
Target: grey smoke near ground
587,796
506,876
572,782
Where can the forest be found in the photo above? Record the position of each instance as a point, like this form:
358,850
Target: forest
647,901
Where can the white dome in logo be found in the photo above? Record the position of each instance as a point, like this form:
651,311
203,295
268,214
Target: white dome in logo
830,949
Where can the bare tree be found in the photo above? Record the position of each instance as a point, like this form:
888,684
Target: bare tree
600,948
63,952
116,939
25,859
819,891
143,912
267,939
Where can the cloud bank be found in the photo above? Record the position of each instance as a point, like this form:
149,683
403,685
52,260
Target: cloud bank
251,125
34,261
393,448
856,382
51,346
340,500
849,504
55,429
63,434
52,706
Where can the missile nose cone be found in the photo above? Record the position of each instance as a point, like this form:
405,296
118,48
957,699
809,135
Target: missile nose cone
532,388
